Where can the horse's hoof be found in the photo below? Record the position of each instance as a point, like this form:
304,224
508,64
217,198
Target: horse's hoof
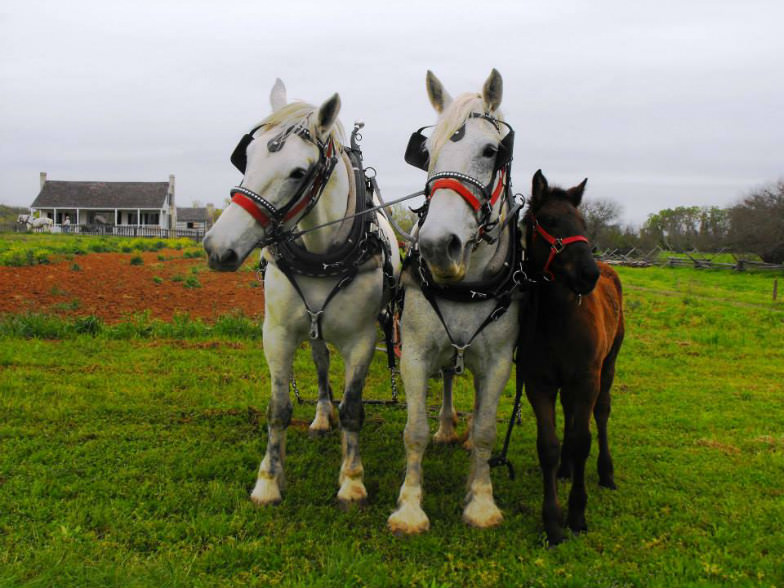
442,438
352,491
266,493
408,520
555,538
482,514
609,484
318,433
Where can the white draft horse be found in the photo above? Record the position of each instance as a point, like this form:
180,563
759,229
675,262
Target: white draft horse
328,285
459,309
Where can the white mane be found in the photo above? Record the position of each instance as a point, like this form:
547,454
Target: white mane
296,112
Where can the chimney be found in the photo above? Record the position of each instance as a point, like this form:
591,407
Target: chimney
43,179
172,206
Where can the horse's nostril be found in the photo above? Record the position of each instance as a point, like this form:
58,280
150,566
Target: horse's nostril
228,257
455,248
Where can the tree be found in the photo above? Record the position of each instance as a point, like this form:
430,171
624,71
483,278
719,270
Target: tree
757,223
601,220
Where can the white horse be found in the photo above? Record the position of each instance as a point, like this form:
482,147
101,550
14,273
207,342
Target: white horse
328,285
42,223
460,305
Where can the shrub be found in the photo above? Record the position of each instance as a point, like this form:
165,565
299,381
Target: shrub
137,260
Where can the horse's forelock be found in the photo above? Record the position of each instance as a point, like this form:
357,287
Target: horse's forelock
453,118
296,112
554,195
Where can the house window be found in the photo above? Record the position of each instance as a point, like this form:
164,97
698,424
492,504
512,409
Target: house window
150,218
190,225
132,218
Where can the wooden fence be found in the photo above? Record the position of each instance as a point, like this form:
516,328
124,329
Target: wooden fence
111,230
660,257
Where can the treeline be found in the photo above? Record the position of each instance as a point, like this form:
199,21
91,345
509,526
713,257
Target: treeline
8,214
754,225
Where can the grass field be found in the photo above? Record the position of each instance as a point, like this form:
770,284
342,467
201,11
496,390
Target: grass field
128,453
19,249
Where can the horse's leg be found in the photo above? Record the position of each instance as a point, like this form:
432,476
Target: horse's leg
542,399
480,509
447,417
279,351
357,360
601,414
409,517
325,412
583,397
565,466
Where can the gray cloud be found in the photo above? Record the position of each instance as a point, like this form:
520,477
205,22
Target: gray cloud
659,104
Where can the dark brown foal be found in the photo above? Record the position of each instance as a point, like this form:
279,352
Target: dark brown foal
578,333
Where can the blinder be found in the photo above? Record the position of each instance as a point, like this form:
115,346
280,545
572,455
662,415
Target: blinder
239,157
418,155
309,189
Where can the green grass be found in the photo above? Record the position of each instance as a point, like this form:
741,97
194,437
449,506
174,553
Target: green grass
129,451
19,249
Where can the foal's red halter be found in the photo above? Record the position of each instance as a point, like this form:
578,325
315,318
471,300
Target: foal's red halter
557,245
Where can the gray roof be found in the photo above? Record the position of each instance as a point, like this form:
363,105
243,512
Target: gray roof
102,195
192,215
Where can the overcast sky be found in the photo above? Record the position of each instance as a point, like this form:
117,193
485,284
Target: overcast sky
660,104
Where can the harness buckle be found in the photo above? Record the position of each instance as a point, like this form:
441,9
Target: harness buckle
315,327
558,245
459,367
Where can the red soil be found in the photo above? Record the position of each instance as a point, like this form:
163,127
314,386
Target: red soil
108,286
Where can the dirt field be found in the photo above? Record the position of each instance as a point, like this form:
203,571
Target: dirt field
109,286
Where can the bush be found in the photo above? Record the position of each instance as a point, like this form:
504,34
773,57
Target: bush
137,260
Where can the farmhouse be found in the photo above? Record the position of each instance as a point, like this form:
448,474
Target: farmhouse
140,204
195,218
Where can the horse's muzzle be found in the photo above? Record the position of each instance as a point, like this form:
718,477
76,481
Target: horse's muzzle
224,260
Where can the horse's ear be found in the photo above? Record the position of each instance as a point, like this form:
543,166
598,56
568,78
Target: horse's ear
576,194
539,187
439,97
278,95
493,91
327,115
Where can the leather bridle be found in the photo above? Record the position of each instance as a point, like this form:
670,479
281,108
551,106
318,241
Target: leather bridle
479,196
307,195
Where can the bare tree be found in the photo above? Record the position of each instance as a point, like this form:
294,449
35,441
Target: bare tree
602,221
757,223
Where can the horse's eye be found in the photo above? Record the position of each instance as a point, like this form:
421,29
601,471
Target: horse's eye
490,151
298,173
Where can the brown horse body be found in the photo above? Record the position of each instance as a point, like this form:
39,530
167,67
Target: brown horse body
578,331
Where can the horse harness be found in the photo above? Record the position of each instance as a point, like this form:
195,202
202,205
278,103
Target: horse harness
365,238
507,284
